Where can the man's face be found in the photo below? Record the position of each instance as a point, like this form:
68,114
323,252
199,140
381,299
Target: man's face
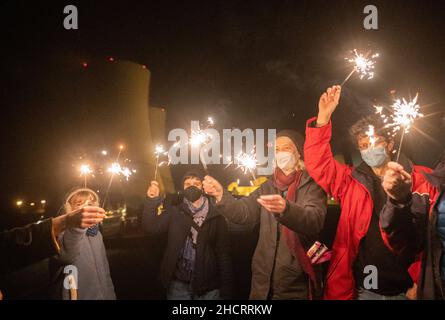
78,201
286,144
192,181
364,143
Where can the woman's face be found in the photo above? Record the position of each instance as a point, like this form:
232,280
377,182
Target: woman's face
79,200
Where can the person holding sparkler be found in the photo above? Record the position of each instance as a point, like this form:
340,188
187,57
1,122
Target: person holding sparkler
415,222
84,249
358,242
197,260
38,241
290,208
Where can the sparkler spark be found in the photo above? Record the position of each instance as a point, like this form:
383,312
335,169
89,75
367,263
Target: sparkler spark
371,134
200,139
159,151
363,65
403,117
247,162
404,114
85,170
117,169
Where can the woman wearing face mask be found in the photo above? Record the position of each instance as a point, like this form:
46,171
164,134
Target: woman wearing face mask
196,263
359,242
290,208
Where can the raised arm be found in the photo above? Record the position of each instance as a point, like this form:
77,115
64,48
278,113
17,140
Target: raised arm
332,176
155,221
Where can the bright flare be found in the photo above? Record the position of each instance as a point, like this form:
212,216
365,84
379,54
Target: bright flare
85,170
371,134
404,114
363,65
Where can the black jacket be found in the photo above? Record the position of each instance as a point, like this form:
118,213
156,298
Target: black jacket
213,268
23,246
412,228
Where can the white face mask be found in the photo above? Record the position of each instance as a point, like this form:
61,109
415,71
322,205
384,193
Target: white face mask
285,160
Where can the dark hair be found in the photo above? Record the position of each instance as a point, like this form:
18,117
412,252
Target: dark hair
359,129
193,173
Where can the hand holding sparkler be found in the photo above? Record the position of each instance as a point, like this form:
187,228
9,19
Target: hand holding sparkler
82,218
213,188
153,190
327,104
85,217
397,183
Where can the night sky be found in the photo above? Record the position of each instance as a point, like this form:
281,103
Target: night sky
250,64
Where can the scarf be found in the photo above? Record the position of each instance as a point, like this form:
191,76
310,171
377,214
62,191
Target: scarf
187,256
290,183
92,231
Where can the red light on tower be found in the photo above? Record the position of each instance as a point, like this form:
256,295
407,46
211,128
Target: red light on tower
84,64
111,59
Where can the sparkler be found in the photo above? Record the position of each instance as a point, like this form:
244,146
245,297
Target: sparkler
159,151
247,162
85,170
363,65
403,117
371,134
115,169
200,139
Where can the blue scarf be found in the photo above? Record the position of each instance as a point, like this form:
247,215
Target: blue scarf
186,261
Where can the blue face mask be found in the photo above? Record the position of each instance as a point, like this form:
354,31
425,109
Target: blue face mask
374,157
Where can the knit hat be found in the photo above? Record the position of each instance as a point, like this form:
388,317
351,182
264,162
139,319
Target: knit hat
295,137
195,172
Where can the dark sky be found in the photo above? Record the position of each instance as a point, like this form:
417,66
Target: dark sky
251,64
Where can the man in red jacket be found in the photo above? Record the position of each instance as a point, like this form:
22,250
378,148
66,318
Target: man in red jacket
361,266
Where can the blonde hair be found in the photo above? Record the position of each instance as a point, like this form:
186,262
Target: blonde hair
300,165
82,192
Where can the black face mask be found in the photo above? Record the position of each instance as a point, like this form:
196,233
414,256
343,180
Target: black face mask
192,193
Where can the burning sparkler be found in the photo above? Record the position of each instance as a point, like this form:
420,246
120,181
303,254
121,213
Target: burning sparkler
371,134
404,113
200,139
403,117
116,169
363,65
159,151
85,170
247,162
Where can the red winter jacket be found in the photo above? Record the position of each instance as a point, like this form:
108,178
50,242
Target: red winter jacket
356,208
